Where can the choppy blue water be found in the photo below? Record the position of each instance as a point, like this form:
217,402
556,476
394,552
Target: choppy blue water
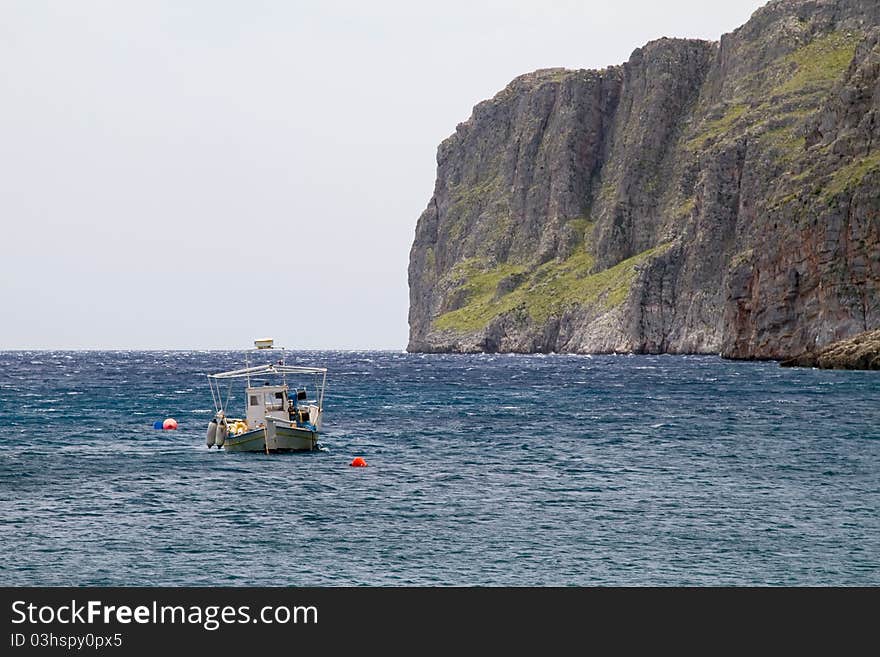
483,470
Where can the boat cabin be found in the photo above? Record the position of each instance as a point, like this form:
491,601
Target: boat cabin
266,400
274,400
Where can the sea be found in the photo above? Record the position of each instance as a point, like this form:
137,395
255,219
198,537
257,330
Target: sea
483,470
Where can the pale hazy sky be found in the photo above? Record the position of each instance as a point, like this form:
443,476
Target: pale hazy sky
200,174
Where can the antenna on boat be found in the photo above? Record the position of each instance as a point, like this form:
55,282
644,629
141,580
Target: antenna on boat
247,366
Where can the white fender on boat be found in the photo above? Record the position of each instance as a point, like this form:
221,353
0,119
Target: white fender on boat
212,433
220,436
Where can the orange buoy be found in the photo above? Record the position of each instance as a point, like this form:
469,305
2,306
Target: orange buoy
358,463
170,423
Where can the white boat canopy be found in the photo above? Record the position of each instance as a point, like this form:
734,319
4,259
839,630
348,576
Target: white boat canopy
259,370
247,372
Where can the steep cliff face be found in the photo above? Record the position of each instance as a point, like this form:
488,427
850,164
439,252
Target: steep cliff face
860,352
703,197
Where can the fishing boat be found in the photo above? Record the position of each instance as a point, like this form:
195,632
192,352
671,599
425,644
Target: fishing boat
284,404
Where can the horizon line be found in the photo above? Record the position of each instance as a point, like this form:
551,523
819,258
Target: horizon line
48,349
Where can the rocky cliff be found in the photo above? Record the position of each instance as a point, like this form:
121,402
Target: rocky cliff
861,352
703,197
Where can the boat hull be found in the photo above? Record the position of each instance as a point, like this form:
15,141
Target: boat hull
280,437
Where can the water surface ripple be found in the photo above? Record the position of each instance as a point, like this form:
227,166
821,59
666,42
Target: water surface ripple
483,470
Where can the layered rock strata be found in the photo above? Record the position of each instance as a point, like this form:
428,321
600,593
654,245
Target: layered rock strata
703,197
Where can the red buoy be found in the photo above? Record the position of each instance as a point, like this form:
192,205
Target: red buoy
358,463
170,423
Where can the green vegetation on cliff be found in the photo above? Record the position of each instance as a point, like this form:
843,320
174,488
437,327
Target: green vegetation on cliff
781,97
851,175
820,63
716,128
547,290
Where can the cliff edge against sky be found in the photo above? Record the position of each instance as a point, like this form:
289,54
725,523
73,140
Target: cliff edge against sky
703,197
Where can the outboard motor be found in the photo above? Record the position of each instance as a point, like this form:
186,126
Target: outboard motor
212,433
